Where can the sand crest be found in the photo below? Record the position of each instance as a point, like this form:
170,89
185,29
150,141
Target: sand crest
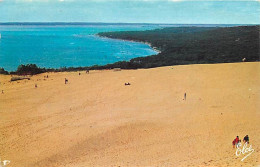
95,120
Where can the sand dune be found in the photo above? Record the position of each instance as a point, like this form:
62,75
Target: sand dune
95,120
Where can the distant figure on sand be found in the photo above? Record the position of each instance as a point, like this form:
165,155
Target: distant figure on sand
237,141
35,86
79,73
2,91
246,139
234,143
184,96
66,80
87,71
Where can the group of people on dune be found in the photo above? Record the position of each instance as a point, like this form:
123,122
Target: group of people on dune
236,142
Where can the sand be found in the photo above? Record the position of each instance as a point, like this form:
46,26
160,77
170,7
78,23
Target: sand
95,120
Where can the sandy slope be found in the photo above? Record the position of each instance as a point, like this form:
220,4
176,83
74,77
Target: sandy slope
96,120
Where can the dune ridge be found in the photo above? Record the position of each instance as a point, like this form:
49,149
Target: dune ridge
95,120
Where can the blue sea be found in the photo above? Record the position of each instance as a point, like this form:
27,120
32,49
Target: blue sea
55,46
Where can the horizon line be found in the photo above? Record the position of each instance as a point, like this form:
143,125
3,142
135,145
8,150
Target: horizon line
62,22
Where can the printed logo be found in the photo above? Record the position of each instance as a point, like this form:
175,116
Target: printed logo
245,151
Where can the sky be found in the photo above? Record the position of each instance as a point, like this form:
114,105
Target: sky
132,11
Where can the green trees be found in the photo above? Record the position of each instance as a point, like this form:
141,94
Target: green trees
2,71
178,46
29,69
196,45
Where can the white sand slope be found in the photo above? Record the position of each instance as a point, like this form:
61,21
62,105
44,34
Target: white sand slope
95,120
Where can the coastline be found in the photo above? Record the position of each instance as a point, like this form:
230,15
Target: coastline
89,67
79,51
146,43
184,45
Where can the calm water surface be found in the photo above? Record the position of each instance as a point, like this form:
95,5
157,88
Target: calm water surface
67,46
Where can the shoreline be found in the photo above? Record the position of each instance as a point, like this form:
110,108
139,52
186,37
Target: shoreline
181,47
96,35
146,43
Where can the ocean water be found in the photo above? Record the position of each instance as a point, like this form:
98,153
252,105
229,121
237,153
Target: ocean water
67,45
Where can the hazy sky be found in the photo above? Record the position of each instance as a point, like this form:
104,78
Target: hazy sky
132,11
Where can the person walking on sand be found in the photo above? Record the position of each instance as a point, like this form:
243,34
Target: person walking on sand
234,143
2,91
246,139
66,80
237,141
184,96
